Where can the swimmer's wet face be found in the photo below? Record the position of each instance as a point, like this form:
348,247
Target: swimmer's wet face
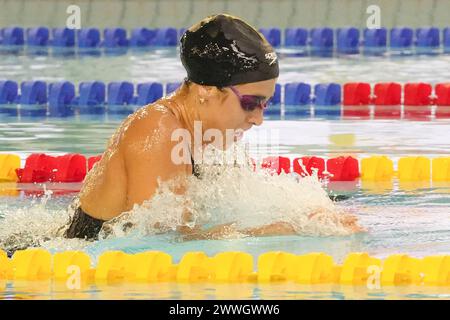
252,114
225,111
250,102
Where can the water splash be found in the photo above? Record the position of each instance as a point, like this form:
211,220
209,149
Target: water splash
228,193
36,225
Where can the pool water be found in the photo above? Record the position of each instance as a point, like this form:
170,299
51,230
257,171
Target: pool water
401,218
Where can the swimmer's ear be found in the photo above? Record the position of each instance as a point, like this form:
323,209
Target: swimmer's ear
204,92
210,92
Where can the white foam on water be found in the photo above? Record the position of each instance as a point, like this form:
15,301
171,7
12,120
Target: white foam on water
36,225
227,193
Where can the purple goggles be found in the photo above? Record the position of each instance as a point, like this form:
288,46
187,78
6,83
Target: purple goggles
250,102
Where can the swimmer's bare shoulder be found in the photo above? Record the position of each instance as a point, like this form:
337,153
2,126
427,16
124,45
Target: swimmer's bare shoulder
146,146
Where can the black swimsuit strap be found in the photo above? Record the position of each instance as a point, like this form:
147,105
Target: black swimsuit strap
195,169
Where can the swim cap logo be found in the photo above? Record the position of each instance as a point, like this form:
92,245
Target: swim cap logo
271,56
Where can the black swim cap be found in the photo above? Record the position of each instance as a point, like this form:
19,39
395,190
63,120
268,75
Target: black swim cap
223,50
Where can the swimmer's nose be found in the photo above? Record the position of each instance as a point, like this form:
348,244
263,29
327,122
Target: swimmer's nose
256,118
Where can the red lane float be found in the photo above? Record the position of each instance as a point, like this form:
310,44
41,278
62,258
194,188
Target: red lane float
309,163
442,91
442,101
417,94
69,168
343,168
387,94
356,94
276,164
93,160
40,167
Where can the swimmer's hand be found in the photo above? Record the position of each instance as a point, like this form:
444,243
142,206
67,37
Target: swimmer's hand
214,233
274,229
349,221
225,230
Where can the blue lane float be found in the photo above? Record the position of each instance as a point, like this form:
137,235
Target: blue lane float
181,31
12,36
297,93
38,37
401,39
142,37
91,93
8,91
427,40
88,38
276,98
273,36
327,100
115,38
375,41
120,93
148,93
347,40
60,93
446,40
274,102
166,37
63,37
295,37
172,86
327,94
60,98
33,93
321,41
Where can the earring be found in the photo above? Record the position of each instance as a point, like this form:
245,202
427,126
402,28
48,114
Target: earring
202,100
